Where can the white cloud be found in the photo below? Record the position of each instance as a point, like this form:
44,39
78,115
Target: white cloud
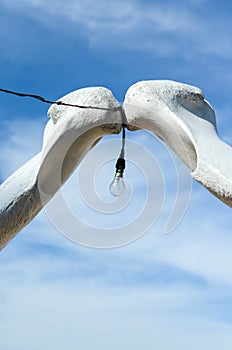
53,301
162,29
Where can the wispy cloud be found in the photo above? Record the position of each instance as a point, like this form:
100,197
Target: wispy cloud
75,299
160,28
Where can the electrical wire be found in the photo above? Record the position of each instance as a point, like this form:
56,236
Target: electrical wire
121,163
59,103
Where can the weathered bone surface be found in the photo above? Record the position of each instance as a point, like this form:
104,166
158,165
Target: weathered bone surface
180,116
68,136
175,112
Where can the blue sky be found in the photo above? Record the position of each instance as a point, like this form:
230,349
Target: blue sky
162,291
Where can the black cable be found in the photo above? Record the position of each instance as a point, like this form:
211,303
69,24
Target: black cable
123,118
121,163
60,103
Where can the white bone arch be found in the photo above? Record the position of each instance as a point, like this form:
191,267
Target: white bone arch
177,113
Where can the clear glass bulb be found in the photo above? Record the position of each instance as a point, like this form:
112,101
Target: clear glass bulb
117,186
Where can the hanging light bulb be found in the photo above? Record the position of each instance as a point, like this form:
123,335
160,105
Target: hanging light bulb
117,186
